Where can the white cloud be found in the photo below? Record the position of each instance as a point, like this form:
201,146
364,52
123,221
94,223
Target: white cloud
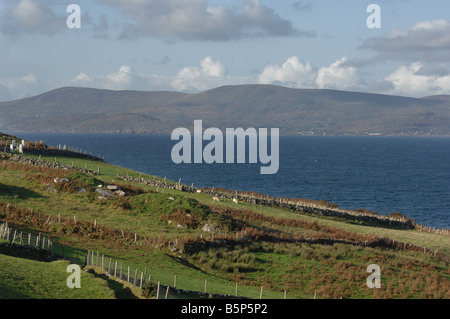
411,81
210,74
120,80
338,76
293,73
18,87
82,79
30,78
297,74
124,79
17,82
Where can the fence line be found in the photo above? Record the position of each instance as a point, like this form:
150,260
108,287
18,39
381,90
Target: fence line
139,277
110,266
14,236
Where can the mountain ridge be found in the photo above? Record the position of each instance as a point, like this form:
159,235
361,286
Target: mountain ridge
294,111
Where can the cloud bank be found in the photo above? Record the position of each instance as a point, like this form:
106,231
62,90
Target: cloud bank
297,74
30,16
426,40
174,20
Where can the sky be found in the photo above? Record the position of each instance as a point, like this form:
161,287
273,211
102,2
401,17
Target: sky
401,48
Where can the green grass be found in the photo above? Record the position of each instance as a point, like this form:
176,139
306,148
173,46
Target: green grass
108,174
107,171
303,270
27,279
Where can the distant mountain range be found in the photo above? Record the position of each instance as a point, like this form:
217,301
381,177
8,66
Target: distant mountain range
293,111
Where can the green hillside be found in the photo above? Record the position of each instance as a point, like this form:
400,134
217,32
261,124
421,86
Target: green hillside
169,232
22,278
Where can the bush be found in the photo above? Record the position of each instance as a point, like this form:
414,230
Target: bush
149,290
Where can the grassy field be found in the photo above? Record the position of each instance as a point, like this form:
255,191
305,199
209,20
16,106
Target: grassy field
21,278
252,245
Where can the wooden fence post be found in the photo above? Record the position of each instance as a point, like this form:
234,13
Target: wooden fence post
109,266
145,272
135,277
167,292
157,291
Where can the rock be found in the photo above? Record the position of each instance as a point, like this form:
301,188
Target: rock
120,193
104,192
208,228
171,198
82,190
51,189
112,187
61,180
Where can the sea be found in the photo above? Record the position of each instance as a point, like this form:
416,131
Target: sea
410,175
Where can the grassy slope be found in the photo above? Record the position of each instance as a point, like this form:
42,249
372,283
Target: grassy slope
28,279
69,205
275,266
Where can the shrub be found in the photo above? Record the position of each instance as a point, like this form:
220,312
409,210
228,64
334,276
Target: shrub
149,290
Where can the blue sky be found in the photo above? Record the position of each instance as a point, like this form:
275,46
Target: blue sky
195,45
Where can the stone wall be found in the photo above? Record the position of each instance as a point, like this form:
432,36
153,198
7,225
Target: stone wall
313,209
38,162
58,152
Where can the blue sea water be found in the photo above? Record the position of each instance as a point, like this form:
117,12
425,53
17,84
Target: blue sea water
382,174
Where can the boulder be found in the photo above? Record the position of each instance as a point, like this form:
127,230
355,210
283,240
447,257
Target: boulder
104,192
120,193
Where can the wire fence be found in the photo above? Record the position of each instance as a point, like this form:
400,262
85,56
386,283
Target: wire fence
14,236
164,290
182,287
